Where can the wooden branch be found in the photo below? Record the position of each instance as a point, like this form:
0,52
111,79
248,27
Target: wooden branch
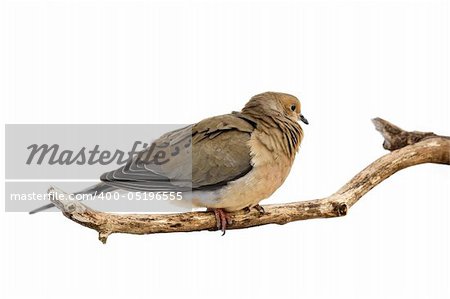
408,149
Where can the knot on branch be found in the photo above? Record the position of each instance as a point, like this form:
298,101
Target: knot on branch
103,236
341,208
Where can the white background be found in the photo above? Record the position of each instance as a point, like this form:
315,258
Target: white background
179,62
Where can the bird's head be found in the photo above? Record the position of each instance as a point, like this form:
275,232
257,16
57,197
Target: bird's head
276,103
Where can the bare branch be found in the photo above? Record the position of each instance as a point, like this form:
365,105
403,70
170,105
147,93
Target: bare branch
408,149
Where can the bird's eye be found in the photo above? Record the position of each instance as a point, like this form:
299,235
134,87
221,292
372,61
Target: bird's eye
293,107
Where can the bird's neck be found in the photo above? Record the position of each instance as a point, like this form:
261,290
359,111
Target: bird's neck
290,131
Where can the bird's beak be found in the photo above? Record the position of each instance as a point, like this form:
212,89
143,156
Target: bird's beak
304,120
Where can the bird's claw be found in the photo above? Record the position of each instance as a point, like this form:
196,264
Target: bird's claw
222,220
260,209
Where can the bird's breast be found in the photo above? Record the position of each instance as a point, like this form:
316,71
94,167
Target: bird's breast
260,183
271,167
270,170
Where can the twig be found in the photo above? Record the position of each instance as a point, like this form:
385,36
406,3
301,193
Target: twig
408,149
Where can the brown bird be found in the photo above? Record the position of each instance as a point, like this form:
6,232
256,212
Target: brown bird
224,163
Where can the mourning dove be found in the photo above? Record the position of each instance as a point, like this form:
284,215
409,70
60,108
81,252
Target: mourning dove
223,163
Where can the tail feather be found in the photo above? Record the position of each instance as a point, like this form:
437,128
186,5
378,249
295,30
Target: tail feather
97,189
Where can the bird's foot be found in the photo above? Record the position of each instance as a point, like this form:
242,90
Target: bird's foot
260,209
222,219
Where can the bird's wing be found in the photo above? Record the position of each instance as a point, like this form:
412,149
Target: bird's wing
206,155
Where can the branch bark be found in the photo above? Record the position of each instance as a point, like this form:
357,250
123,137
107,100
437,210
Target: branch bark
407,149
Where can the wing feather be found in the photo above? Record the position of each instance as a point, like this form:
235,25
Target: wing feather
206,155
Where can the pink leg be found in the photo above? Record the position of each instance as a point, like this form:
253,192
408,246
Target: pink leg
222,219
